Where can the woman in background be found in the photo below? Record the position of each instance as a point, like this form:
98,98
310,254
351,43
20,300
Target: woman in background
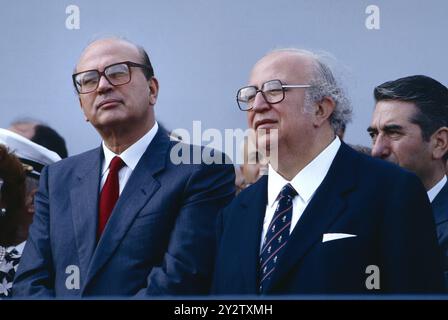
12,211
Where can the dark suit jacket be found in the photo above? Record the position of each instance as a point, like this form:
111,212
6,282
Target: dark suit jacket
440,210
384,206
159,239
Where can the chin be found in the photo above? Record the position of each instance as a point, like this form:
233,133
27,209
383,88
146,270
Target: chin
109,122
267,145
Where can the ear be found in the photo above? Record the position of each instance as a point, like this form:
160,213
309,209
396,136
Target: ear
80,104
324,109
153,85
439,143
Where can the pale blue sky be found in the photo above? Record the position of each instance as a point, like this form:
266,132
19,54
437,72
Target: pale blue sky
203,50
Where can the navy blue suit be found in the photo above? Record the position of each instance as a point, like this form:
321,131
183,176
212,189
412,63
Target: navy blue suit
159,239
384,206
440,210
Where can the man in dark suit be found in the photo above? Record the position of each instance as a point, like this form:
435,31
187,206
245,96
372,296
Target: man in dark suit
326,219
410,128
123,219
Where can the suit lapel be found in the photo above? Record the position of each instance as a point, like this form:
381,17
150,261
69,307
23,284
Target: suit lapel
139,189
326,205
440,205
84,203
252,214
440,211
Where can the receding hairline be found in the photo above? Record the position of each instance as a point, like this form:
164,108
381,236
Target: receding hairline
301,57
299,53
140,50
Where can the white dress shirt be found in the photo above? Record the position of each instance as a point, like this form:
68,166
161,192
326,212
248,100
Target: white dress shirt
434,191
131,156
305,183
4,250
19,247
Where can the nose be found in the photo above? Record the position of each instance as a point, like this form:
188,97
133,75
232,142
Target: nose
103,84
260,103
381,147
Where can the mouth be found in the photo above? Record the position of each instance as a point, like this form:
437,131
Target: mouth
108,103
265,124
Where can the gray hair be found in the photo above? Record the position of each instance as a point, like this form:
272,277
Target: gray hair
324,84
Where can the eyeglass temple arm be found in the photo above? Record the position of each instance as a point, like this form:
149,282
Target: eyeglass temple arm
296,85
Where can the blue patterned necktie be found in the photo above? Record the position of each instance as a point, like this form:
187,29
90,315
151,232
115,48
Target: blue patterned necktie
277,235
8,267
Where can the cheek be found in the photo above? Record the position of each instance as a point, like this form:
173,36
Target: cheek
406,152
140,97
86,103
250,118
295,123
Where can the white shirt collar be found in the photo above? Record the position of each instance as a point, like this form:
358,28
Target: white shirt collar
308,179
19,248
131,156
434,191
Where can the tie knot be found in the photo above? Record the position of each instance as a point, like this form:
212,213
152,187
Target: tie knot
288,191
116,164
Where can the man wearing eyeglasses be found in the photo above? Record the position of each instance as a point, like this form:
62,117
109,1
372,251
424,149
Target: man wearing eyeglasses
123,219
326,219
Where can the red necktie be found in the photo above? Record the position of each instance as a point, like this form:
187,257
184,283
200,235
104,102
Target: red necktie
109,194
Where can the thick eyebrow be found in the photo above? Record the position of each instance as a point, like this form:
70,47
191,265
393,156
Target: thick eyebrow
386,128
392,127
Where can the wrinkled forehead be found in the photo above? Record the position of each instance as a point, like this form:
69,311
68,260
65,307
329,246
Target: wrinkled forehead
285,66
102,53
393,112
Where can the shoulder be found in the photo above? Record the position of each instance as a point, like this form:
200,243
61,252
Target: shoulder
253,195
192,157
386,186
76,163
374,169
79,158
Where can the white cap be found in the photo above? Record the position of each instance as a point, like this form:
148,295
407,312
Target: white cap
27,151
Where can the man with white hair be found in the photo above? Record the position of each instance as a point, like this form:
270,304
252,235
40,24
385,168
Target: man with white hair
326,219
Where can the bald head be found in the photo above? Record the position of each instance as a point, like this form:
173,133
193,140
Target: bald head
122,110
299,65
112,44
306,67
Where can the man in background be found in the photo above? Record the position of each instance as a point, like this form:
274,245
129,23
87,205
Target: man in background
254,165
40,134
410,128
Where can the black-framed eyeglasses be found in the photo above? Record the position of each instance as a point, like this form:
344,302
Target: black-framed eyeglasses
273,91
116,74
